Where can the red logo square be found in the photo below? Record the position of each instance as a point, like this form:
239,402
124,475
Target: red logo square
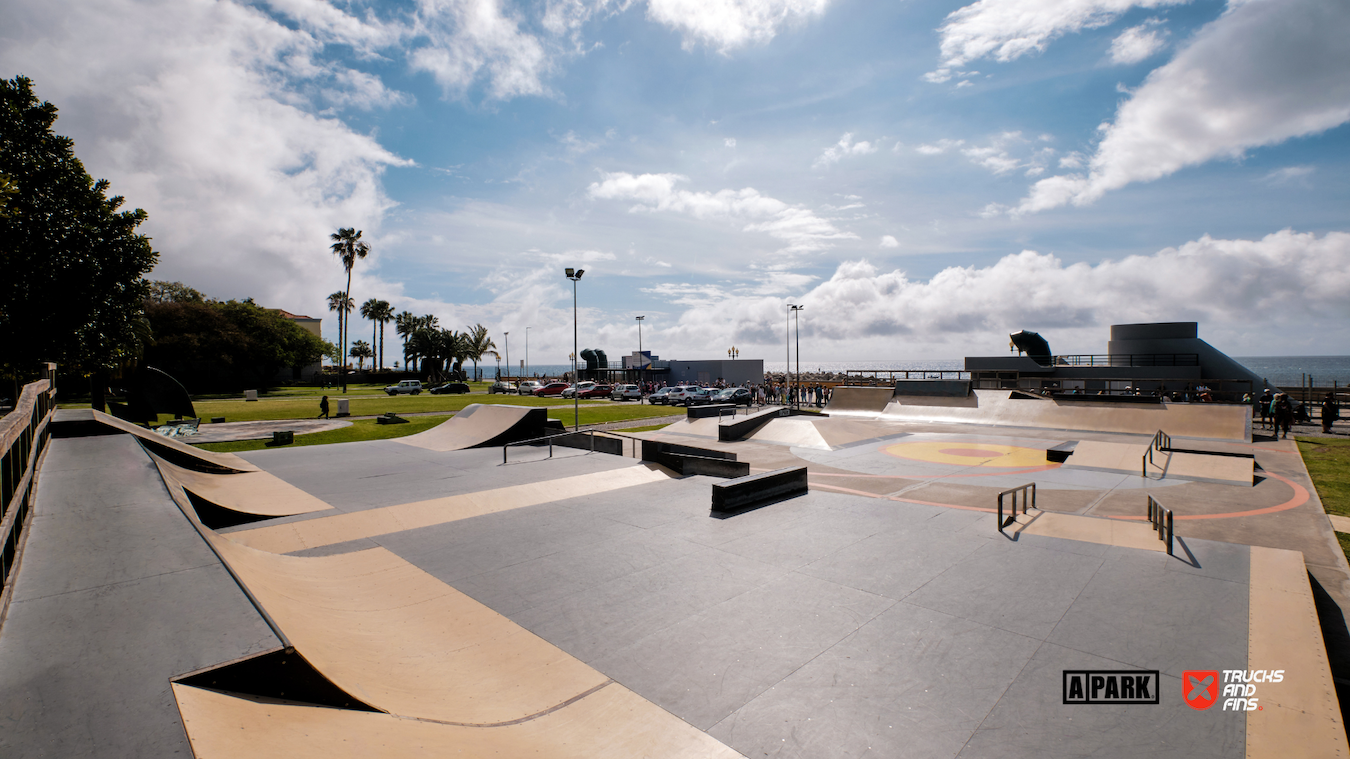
1200,687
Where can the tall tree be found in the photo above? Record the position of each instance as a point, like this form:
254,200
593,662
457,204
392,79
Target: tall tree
477,344
377,311
340,303
347,246
405,324
72,264
361,351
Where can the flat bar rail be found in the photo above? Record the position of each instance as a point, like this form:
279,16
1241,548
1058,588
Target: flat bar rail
1028,494
1161,442
24,433
1161,519
570,433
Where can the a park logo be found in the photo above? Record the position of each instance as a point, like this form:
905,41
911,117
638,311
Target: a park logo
1200,687
1132,686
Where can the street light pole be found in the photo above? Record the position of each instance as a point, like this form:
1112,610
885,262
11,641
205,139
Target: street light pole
640,362
527,350
787,350
576,379
507,337
796,399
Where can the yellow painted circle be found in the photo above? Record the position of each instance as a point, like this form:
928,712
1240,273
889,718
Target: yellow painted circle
970,454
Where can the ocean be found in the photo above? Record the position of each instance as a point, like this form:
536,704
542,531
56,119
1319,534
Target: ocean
1283,371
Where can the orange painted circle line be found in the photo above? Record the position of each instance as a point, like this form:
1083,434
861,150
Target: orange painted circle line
905,500
1300,498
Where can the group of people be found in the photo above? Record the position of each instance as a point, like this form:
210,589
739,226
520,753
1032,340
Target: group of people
770,393
1278,413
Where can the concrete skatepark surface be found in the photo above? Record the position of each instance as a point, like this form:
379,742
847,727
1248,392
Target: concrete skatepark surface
586,605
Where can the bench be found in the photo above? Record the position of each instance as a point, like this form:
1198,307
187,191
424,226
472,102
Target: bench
390,417
756,491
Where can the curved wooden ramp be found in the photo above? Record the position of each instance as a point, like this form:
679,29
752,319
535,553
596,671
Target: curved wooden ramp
480,425
257,493
179,452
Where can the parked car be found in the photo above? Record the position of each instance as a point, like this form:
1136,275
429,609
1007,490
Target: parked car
737,395
528,387
552,388
626,393
688,395
450,388
502,387
598,391
405,387
660,396
578,388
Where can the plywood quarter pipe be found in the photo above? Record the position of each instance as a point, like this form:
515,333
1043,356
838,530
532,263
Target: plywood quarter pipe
612,723
480,425
1211,421
171,447
259,493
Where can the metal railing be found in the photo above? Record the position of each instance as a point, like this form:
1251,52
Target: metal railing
589,433
1028,493
1161,442
23,437
1161,519
1128,359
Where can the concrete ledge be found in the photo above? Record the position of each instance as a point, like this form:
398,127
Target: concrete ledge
602,444
747,425
688,460
713,409
1060,453
757,491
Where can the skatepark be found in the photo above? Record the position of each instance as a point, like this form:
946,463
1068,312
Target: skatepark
419,596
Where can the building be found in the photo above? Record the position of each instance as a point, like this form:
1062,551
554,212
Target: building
301,373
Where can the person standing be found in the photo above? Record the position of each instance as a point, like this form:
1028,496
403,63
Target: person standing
323,408
1264,404
1284,414
1330,412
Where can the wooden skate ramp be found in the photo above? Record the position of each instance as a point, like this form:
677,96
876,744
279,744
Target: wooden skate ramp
259,493
612,722
174,450
480,425
1212,421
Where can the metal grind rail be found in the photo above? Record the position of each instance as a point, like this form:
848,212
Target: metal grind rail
589,433
1028,494
1161,520
1161,442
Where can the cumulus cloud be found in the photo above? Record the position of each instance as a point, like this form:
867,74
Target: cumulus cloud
800,228
939,147
1138,43
842,149
889,241
1008,29
467,39
210,120
728,24
1260,74
1262,286
730,142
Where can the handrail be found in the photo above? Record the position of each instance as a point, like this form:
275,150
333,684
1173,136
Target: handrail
590,433
1161,442
1161,520
1023,490
24,433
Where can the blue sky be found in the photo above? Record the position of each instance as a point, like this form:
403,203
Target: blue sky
924,176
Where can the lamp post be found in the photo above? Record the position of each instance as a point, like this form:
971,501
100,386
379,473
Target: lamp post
576,379
527,350
787,350
507,337
640,362
796,396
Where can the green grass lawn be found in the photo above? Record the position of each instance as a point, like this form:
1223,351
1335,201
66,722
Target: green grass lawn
364,404
1328,462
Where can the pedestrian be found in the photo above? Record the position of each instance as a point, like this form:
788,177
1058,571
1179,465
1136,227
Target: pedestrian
1330,412
1283,412
1264,404
323,408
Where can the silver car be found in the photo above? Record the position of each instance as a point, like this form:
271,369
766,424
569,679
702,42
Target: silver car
626,393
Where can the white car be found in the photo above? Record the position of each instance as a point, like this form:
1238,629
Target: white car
528,387
501,386
684,395
578,388
405,387
626,393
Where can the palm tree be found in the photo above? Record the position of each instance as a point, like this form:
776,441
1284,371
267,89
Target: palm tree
405,324
377,311
347,246
340,303
477,343
361,351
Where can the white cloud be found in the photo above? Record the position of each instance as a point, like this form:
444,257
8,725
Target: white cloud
799,227
199,112
729,24
842,149
939,147
1137,43
730,142
1290,174
1262,73
888,241
1008,29
467,39
1263,286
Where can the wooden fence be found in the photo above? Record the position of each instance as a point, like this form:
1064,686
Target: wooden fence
23,437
